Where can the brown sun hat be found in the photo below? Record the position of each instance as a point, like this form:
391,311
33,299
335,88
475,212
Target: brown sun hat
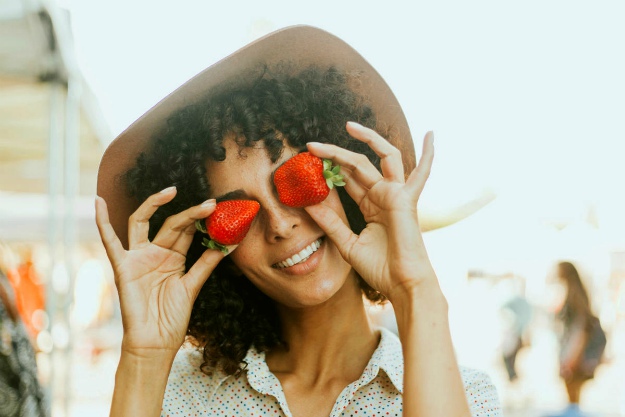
301,46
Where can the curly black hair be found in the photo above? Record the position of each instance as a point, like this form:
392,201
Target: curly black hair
230,314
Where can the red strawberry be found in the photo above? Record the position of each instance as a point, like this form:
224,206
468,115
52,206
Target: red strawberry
228,224
305,180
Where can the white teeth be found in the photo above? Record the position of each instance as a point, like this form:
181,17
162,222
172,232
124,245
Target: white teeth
302,256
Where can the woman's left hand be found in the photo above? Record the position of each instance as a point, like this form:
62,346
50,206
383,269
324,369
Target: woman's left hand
389,253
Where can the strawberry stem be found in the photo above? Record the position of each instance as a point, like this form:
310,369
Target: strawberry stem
331,174
201,225
211,244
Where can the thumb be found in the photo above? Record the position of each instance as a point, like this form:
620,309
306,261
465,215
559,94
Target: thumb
200,271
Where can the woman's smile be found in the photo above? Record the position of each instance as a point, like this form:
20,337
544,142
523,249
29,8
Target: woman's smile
300,256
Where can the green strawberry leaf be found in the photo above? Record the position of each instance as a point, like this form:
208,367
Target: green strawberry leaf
201,225
211,244
331,174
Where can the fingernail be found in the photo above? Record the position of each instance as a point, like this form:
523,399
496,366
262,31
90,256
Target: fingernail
208,203
314,144
168,189
354,124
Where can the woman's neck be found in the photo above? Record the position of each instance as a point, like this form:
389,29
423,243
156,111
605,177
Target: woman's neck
335,338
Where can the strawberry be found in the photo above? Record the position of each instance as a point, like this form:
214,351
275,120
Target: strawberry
228,224
306,179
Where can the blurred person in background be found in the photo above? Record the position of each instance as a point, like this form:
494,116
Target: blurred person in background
28,289
582,340
516,313
20,392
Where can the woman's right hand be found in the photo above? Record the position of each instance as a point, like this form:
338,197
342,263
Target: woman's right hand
156,295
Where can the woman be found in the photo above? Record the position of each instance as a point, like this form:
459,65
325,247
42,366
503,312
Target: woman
279,324
21,394
582,340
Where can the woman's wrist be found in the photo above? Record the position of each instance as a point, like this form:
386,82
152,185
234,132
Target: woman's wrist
418,294
140,382
423,302
144,365
146,356
140,351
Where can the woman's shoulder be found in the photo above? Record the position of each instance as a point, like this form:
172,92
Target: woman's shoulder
480,391
474,377
479,388
187,360
188,385
188,364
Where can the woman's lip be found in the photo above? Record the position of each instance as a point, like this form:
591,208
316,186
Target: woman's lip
298,249
308,265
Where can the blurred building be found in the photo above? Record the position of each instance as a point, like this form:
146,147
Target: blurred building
51,131
51,139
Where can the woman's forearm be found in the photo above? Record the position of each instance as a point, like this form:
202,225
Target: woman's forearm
140,383
432,383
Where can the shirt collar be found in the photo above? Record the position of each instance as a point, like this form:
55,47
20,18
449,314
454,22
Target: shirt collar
389,357
262,379
258,374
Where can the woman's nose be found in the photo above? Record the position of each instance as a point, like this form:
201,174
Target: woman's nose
281,221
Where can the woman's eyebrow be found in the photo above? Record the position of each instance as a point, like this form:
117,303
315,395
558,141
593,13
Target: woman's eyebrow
232,195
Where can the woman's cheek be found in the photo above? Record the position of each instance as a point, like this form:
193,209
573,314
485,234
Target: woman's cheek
241,257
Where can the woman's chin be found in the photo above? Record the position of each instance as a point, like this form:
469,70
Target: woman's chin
318,294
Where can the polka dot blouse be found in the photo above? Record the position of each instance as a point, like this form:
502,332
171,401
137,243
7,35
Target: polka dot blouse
257,392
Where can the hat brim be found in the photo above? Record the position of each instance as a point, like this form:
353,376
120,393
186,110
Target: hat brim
302,46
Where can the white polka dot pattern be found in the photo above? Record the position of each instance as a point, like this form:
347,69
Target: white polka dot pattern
258,392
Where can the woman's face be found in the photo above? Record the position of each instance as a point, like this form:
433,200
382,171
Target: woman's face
279,235
555,290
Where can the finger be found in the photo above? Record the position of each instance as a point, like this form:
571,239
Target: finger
203,267
114,248
390,157
362,170
354,188
334,227
139,221
418,177
177,227
182,244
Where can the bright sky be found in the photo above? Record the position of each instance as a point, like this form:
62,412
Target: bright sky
525,98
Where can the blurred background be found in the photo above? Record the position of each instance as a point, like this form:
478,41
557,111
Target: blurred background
527,103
